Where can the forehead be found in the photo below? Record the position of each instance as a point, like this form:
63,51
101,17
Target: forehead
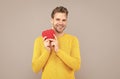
60,15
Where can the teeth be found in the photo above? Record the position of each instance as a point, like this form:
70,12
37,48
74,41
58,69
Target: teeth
60,26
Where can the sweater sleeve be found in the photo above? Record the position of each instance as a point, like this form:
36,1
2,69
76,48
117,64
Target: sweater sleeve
73,60
40,56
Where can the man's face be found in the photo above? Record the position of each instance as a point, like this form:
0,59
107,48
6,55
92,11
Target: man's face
59,22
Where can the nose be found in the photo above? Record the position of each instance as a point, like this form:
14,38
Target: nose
61,22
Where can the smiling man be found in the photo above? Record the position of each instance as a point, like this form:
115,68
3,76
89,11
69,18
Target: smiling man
58,58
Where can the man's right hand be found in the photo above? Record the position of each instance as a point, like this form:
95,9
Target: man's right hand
47,43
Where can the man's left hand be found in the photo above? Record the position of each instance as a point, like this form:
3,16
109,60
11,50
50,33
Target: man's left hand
54,43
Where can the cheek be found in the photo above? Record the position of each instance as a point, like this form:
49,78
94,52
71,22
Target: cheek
65,23
56,22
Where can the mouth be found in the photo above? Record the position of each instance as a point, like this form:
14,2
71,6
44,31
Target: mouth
60,26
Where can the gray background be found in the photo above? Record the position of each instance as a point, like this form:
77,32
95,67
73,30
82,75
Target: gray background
95,22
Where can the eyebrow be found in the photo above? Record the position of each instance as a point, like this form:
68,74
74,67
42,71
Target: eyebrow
59,19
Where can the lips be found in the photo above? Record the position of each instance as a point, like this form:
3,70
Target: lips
60,26
49,33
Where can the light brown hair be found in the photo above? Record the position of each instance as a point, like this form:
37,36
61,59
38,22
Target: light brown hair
59,9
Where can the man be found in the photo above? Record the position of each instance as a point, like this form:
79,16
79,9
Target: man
62,59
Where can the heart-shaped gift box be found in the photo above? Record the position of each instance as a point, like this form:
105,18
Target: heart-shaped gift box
49,33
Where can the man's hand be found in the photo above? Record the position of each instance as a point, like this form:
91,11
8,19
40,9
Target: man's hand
54,43
47,44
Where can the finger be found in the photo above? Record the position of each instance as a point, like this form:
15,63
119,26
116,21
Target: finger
52,44
51,39
44,38
55,37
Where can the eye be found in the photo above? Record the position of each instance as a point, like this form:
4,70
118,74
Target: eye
57,19
64,20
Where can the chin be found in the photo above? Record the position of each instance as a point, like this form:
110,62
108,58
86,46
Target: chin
60,31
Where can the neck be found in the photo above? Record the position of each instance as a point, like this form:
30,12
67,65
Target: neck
59,34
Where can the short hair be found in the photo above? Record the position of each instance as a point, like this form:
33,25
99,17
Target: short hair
59,9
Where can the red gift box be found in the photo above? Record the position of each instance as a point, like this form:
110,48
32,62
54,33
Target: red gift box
48,33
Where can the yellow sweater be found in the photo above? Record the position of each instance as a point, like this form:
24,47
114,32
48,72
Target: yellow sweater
57,65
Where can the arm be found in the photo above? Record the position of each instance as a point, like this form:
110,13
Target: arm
40,56
73,60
